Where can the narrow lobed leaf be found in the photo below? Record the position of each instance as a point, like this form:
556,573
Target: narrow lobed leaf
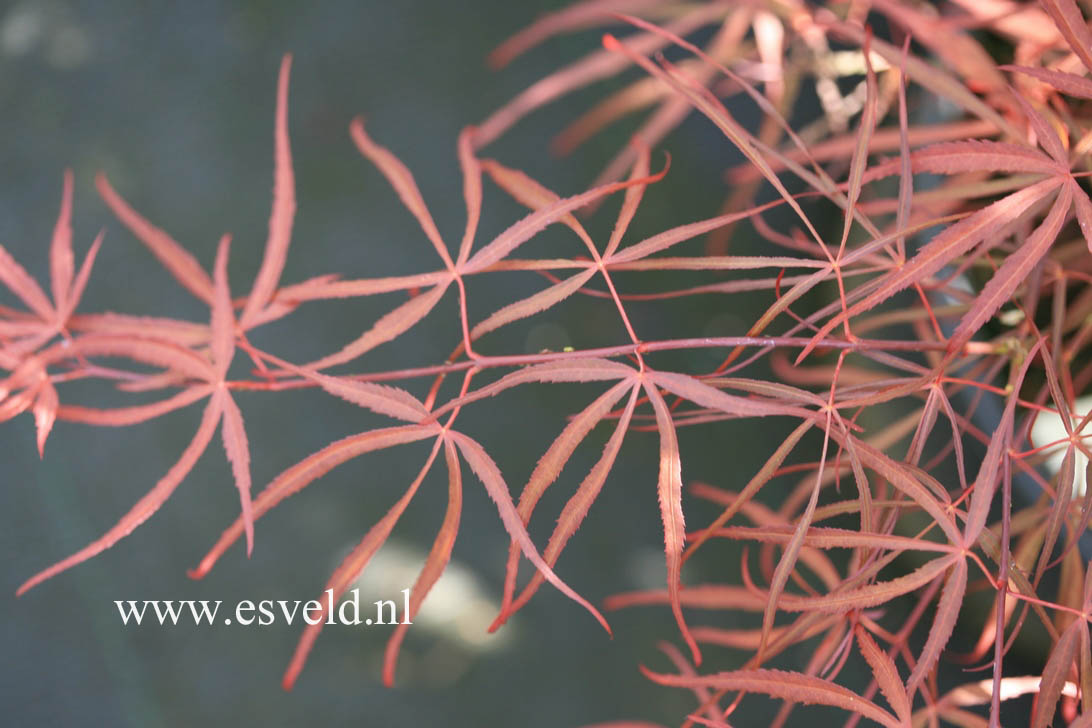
794,686
19,282
401,179
1014,271
885,673
350,568
490,476
546,473
144,507
524,229
1055,674
389,326
435,564
176,259
577,507
45,412
222,324
1068,83
303,473
61,261
1073,27
669,490
238,454
948,607
988,222
284,206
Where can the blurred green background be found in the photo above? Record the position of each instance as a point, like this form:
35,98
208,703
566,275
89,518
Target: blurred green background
174,101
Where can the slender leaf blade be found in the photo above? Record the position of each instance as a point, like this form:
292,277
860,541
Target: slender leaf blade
284,206
669,490
146,506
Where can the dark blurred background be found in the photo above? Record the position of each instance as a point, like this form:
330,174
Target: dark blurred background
175,103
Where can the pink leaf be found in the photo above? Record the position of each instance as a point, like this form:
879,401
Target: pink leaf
385,400
238,454
1055,674
631,201
670,496
951,599
999,449
306,471
676,235
859,161
223,318
323,289
904,481
532,224
832,538
284,206
1045,133
988,222
19,282
1014,271
72,300
886,674
146,506
435,564
124,416
176,259
149,351
546,473
1083,207
1067,83
700,596
583,72
533,195
565,370
45,412
401,179
702,394
181,333
535,303
794,686
881,592
487,471
389,326
61,263
577,507
351,567
575,17
975,155
472,190
1067,17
